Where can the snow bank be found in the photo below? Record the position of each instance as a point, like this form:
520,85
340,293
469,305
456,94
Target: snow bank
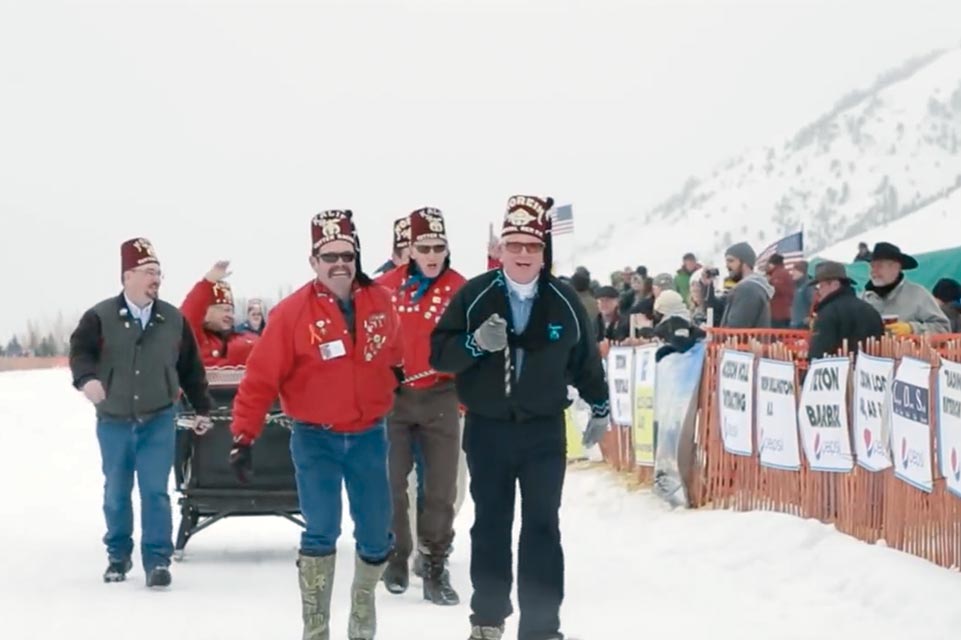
634,567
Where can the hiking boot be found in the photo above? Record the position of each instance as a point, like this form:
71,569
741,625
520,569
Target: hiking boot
486,633
117,570
363,613
158,577
316,577
437,587
397,576
420,564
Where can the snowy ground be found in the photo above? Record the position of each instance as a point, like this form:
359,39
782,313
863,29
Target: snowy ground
634,568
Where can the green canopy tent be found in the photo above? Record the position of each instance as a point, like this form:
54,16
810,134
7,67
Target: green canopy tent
932,266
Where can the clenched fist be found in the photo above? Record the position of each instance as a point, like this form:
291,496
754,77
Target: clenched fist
93,391
492,335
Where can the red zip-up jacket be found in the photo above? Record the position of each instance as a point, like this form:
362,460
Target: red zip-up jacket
215,350
418,320
323,377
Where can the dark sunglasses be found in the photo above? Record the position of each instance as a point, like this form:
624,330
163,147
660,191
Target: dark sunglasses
343,256
427,248
529,247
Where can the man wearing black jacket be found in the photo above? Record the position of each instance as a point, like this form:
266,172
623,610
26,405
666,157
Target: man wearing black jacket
131,355
515,338
840,314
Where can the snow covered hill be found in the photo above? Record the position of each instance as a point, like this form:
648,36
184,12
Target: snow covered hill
634,568
931,228
880,154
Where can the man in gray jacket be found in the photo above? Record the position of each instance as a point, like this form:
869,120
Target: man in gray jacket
748,304
906,307
130,356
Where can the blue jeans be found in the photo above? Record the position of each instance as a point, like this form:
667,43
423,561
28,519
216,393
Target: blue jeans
323,460
146,448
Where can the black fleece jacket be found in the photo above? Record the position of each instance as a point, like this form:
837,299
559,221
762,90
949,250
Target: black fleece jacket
559,346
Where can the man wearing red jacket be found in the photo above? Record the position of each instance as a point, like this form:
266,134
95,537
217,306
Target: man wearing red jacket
209,309
426,410
333,353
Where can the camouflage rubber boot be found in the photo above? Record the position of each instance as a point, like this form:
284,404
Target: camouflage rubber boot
316,587
363,613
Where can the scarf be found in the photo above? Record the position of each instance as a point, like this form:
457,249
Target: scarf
885,290
418,281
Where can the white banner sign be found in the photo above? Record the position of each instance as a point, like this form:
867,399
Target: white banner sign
823,416
735,388
949,424
910,424
872,413
620,370
777,439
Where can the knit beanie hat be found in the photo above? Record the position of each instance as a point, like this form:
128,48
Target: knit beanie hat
743,252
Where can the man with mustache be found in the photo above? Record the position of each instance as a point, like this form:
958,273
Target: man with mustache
425,411
131,355
209,308
333,353
513,338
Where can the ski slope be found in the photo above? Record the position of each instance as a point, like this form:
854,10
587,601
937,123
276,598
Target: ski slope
635,568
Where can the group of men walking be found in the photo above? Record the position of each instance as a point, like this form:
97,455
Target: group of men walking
373,374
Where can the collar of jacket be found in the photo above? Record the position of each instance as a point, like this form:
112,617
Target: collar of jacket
885,290
844,291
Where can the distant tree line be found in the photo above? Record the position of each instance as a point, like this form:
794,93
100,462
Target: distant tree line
40,341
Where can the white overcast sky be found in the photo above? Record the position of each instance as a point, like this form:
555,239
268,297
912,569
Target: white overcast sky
217,129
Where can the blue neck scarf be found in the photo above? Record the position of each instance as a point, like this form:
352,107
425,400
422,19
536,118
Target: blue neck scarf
419,281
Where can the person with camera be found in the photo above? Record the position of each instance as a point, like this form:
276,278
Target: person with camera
513,338
131,355
333,353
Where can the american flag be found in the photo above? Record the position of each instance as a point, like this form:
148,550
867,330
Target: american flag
562,219
791,247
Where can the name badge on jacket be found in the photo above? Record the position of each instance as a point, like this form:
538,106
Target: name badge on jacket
333,350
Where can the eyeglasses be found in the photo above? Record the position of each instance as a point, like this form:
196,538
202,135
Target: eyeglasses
529,247
153,273
343,256
427,248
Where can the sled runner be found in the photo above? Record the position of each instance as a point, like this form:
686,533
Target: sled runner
210,491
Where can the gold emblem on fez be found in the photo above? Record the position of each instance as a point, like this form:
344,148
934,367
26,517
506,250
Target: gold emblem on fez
520,218
331,229
142,245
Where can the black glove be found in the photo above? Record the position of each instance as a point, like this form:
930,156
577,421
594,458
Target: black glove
242,461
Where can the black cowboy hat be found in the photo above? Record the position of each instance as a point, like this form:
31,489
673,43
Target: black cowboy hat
828,270
888,251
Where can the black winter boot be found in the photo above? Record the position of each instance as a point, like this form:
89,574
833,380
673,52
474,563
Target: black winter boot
396,576
437,587
158,577
117,570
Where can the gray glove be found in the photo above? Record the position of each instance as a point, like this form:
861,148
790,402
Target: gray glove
595,430
492,335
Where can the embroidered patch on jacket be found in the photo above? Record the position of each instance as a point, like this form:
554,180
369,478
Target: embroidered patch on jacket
554,332
374,330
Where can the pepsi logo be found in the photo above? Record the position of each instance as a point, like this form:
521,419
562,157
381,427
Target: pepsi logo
904,452
868,442
955,465
817,446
